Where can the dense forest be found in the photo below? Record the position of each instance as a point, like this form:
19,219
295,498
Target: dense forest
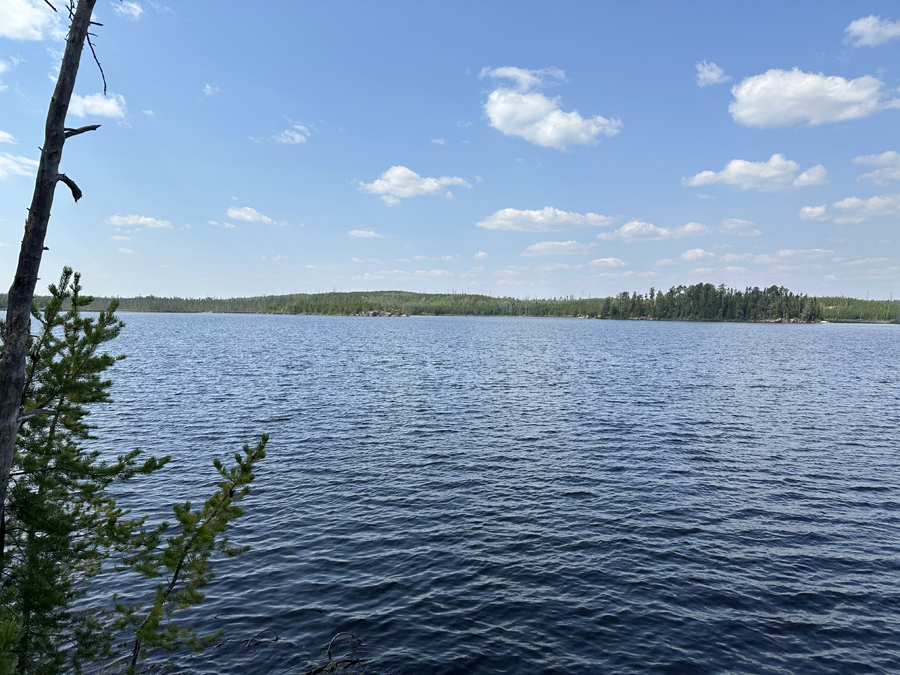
699,302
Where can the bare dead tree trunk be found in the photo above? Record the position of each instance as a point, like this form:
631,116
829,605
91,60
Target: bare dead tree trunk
21,293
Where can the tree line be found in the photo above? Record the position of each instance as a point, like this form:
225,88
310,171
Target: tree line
698,302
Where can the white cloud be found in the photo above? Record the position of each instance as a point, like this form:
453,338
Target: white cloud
609,262
365,234
296,134
250,215
398,183
889,163
784,257
871,31
464,125
697,254
227,226
481,255
779,173
125,250
854,209
28,20
16,165
814,212
557,248
547,219
779,98
132,220
710,73
129,10
537,118
739,227
209,90
118,237
439,141
148,113
433,273
638,230
97,104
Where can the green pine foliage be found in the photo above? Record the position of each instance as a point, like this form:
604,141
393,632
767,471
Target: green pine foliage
59,528
58,523
185,561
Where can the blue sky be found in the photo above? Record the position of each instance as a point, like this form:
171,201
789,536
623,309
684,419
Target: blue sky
514,148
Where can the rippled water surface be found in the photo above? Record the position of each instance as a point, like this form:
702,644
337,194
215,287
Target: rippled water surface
499,495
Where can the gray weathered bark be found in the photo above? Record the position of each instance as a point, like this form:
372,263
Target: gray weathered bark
21,293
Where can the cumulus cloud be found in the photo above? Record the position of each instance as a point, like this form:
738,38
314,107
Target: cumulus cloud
132,220
227,226
557,248
98,104
697,254
547,219
398,183
127,251
777,174
16,165
439,141
481,255
638,230
521,111
365,234
779,98
854,209
128,10
250,215
609,262
888,163
28,20
814,212
710,73
7,138
871,31
739,227
209,90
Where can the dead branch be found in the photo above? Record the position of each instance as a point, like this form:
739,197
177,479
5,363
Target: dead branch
336,637
253,641
80,130
24,417
97,61
76,191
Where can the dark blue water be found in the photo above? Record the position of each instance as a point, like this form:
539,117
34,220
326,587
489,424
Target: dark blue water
481,495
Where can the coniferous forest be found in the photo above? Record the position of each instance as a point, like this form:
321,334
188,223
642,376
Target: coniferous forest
699,302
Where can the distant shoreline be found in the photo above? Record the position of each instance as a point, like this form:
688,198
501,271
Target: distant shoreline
699,302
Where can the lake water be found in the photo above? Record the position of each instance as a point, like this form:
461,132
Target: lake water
501,495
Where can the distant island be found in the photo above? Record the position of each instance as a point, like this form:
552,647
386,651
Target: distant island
699,302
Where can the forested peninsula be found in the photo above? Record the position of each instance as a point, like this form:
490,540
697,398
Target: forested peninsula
699,302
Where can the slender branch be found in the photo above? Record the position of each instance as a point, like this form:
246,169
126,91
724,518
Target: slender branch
80,130
76,191
336,637
24,417
97,61
50,6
